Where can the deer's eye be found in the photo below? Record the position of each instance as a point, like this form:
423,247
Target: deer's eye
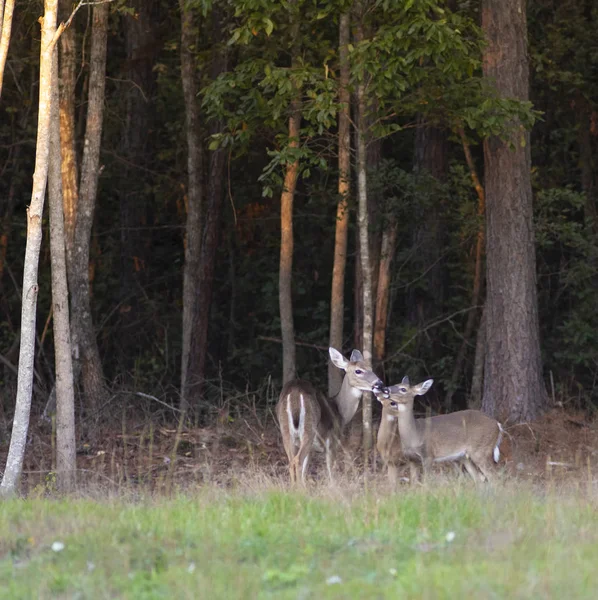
403,390
358,371
393,404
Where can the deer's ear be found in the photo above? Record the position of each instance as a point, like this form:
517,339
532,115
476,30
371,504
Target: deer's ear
405,380
337,358
356,356
422,388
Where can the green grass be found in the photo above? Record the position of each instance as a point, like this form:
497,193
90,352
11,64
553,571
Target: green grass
446,541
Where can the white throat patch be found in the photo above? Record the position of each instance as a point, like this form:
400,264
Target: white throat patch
402,407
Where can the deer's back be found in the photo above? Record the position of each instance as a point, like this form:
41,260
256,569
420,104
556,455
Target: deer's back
294,395
464,429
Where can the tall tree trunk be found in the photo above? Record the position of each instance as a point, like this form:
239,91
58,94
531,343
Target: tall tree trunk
388,247
478,276
193,227
91,365
285,274
337,296
289,368
364,250
65,390
70,169
213,219
514,390
6,12
20,427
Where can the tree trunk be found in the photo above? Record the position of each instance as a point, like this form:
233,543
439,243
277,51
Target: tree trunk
65,391
70,169
337,298
285,300
213,218
18,440
193,227
289,368
513,388
91,366
6,12
388,247
364,250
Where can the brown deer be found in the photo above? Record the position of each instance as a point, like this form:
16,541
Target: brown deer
308,419
467,437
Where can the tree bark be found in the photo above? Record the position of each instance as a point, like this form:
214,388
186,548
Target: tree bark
193,226
91,365
65,391
286,251
513,388
6,12
18,440
337,296
213,219
388,247
285,300
70,169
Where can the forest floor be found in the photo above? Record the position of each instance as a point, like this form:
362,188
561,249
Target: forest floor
150,453
208,513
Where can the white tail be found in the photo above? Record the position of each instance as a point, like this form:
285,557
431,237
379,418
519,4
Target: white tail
308,419
468,437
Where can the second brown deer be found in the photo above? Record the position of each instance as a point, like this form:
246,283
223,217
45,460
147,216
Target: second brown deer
467,437
308,419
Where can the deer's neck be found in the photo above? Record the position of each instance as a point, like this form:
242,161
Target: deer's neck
411,437
347,401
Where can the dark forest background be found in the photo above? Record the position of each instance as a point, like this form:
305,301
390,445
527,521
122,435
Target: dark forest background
418,176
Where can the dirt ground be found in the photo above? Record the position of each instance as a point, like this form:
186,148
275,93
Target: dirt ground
562,445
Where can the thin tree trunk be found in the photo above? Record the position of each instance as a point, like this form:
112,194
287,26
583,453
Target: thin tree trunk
70,169
18,440
6,12
388,247
286,251
514,390
364,250
478,276
193,227
212,218
65,391
285,300
337,297
91,366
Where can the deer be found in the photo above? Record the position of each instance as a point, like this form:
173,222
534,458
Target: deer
310,420
467,437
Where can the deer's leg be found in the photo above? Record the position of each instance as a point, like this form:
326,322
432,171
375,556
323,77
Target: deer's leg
470,467
485,468
393,475
302,458
330,456
414,472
